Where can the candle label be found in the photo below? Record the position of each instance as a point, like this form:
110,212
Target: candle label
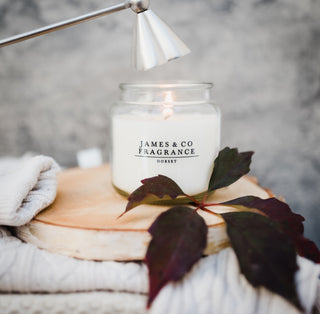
183,149
166,151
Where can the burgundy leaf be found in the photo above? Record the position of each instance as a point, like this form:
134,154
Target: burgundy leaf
290,223
179,237
229,166
266,255
308,249
153,189
273,208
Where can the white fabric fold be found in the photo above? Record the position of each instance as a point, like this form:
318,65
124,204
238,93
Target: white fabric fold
26,187
25,268
214,285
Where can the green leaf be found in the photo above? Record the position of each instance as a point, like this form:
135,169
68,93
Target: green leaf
179,237
229,166
266,255
290,223
153,189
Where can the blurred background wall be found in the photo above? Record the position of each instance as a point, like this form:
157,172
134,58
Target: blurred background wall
262,55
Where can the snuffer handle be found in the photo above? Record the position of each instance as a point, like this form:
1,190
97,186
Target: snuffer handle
64,24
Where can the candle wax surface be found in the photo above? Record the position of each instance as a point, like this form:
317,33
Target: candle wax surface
182,147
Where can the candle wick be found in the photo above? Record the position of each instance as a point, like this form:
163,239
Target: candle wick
167,112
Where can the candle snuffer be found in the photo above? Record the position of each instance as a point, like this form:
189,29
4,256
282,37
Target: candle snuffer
154,42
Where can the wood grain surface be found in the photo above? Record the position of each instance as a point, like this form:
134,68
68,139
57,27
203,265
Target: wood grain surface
83,221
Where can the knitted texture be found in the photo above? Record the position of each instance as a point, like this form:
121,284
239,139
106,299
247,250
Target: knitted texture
25,268
102,302
214,285
26,187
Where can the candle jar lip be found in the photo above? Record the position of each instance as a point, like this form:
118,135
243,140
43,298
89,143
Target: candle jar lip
166,92
163,85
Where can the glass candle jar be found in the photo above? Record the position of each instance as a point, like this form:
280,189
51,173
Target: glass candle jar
172,129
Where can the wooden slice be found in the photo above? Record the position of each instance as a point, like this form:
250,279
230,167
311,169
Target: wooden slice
83,221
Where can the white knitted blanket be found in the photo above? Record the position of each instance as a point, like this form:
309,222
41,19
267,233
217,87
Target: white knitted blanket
27,186
214,285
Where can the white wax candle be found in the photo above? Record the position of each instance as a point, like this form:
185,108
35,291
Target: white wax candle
182,147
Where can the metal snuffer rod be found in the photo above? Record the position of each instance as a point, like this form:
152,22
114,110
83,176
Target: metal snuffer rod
154,42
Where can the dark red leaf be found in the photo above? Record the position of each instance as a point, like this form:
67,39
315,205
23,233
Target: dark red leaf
290,223
153,189
275,209
179,237
266,255
229,166
308,249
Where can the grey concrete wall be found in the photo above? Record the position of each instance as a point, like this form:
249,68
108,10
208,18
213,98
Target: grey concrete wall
262,55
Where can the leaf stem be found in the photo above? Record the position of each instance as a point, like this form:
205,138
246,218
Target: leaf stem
205,197
209,211
201,205
193,199
214,204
